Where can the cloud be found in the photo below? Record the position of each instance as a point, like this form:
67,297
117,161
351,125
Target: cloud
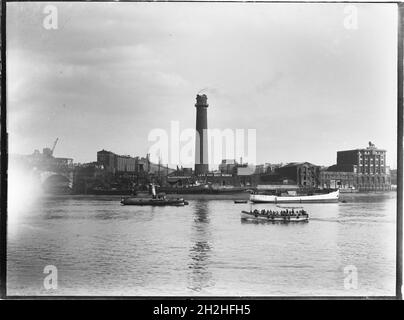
114,71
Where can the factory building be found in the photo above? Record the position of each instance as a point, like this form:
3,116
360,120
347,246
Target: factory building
228,166
107,159
370,160
116,164
338,180
136,167
303,174
125,164
364,169
266,168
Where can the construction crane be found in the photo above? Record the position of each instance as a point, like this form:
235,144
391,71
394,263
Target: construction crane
54,145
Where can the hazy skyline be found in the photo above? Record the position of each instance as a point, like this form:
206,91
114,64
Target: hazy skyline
112,72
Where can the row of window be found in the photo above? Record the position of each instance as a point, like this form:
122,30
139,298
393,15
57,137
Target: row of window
360,180
371,159
326,176
366,170
381,153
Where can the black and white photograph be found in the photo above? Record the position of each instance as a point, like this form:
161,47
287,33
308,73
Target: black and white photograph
201,149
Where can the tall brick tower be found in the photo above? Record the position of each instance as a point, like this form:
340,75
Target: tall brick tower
201,143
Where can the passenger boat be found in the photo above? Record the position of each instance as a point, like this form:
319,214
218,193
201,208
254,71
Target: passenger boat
264,198
275,216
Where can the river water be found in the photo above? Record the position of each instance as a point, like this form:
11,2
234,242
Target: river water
102,248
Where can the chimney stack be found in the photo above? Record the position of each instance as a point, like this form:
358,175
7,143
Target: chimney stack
201,137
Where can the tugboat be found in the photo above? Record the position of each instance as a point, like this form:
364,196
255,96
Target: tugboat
289,214
155,200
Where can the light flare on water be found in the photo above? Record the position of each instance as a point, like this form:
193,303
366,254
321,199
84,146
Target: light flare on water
23,190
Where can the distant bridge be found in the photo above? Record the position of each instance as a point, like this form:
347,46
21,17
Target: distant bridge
47,178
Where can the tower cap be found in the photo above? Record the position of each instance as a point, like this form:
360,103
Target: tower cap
201,100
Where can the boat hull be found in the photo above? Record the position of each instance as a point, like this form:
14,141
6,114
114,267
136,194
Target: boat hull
262,198
245,215
153,202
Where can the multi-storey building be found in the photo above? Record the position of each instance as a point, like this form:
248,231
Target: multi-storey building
267,168
137,167
370,160
107,159
364,169
304,174
125,164
228,166
115,164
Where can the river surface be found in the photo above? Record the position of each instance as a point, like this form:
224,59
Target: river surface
102,248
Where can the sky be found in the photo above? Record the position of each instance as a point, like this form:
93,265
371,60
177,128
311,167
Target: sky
113,72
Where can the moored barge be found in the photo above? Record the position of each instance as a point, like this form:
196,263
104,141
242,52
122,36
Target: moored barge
264,198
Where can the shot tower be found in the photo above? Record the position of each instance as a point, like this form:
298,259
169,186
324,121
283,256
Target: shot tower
201,135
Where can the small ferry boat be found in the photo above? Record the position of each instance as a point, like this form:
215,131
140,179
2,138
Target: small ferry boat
264,198
155,200
276,216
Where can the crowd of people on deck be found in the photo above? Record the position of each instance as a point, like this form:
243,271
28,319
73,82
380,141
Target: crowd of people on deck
281,213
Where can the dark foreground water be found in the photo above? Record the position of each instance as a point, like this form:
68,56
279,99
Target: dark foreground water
102,248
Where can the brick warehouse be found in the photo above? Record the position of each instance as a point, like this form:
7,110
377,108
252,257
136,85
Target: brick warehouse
363,169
